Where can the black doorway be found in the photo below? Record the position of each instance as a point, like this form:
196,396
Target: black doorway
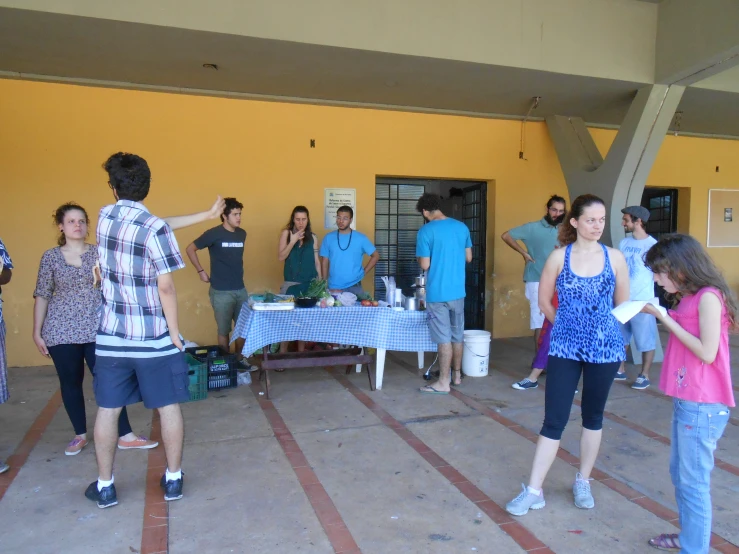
397,222
662,206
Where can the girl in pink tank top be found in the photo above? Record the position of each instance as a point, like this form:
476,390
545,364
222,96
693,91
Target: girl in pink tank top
696,372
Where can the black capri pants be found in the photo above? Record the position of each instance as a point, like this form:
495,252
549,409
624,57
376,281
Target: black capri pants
562,378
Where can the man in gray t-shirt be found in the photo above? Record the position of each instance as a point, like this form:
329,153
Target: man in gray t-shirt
642,327
225,245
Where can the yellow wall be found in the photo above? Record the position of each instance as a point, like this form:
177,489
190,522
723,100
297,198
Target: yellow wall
54,138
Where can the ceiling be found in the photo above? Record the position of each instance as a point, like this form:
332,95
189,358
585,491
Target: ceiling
114,53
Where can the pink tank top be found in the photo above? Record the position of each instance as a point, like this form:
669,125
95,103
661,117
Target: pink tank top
684,375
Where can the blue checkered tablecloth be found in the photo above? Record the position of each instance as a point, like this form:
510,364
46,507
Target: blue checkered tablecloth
404,331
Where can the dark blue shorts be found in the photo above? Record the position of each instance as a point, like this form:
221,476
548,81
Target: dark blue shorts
158,381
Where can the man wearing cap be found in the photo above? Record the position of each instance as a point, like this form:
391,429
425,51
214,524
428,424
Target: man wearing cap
643,327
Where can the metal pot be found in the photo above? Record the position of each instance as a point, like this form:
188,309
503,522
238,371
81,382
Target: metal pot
421,281
411,303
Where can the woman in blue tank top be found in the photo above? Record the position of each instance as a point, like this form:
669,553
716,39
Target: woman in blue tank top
590,279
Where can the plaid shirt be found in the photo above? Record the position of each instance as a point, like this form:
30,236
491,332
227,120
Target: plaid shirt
7,264
134,248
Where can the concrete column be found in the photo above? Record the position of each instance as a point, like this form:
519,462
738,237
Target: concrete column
619,178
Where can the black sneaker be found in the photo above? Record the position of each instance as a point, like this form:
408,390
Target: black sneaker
172,488
104,498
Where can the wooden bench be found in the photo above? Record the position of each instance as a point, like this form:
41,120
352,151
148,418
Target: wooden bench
348,357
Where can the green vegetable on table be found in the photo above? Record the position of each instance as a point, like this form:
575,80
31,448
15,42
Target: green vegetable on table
318,288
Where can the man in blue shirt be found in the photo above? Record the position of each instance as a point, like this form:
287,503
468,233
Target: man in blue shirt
443,247
342,253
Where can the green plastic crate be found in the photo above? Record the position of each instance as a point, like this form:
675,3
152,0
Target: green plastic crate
198,374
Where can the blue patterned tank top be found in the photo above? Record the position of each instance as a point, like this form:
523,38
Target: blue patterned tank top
584,328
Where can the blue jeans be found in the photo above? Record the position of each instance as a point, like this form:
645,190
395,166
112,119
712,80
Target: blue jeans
696,428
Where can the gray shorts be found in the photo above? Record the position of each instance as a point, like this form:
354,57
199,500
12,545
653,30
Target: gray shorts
446,321
643,327
227,307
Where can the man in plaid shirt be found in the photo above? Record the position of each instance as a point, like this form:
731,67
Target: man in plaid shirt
138,348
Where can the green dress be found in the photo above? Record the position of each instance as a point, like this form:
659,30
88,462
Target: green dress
300,267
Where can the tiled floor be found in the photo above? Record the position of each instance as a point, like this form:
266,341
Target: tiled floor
328,466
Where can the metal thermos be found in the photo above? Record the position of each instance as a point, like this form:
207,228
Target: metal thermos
420,291
411,303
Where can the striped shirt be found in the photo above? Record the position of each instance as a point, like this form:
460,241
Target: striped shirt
118,347
134,248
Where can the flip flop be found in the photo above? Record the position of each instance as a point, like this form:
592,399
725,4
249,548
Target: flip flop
665,541
428,389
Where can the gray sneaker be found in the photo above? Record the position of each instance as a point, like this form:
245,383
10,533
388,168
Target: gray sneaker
520,505
583,496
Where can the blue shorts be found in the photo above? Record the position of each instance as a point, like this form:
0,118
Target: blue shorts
643,327
127,372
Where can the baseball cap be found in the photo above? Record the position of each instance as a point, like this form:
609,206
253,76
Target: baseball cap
637,212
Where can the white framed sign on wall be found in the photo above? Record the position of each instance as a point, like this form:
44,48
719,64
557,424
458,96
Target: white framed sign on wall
723,227
333,200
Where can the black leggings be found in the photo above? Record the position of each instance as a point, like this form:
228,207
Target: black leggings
69,360
562,378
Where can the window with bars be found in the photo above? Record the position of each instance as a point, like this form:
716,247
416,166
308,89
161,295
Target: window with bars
396,225
662,206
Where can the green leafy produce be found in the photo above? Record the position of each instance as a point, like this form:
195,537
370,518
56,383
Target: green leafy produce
318,288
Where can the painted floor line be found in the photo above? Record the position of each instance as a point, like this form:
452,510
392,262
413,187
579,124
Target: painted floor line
29,441
719,543
333,524
520,534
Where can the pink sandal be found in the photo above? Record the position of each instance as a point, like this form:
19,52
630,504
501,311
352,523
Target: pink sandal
668,542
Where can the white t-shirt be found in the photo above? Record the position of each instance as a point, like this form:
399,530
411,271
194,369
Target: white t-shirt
641,279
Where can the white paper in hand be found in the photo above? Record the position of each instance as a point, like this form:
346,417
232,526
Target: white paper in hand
626,311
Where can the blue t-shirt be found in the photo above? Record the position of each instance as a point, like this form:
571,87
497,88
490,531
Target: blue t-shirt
444,241
345,254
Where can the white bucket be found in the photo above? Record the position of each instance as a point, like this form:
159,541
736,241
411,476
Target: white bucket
476,353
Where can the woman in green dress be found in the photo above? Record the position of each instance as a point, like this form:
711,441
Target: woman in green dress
298,248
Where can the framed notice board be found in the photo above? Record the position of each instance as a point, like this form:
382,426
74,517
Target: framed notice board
723,218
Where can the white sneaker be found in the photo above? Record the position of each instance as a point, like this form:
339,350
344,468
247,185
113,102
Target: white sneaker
581,491
524,502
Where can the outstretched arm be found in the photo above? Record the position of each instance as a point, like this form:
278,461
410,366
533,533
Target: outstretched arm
180,221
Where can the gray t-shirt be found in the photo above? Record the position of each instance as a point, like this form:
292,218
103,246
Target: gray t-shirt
226,250
641,279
